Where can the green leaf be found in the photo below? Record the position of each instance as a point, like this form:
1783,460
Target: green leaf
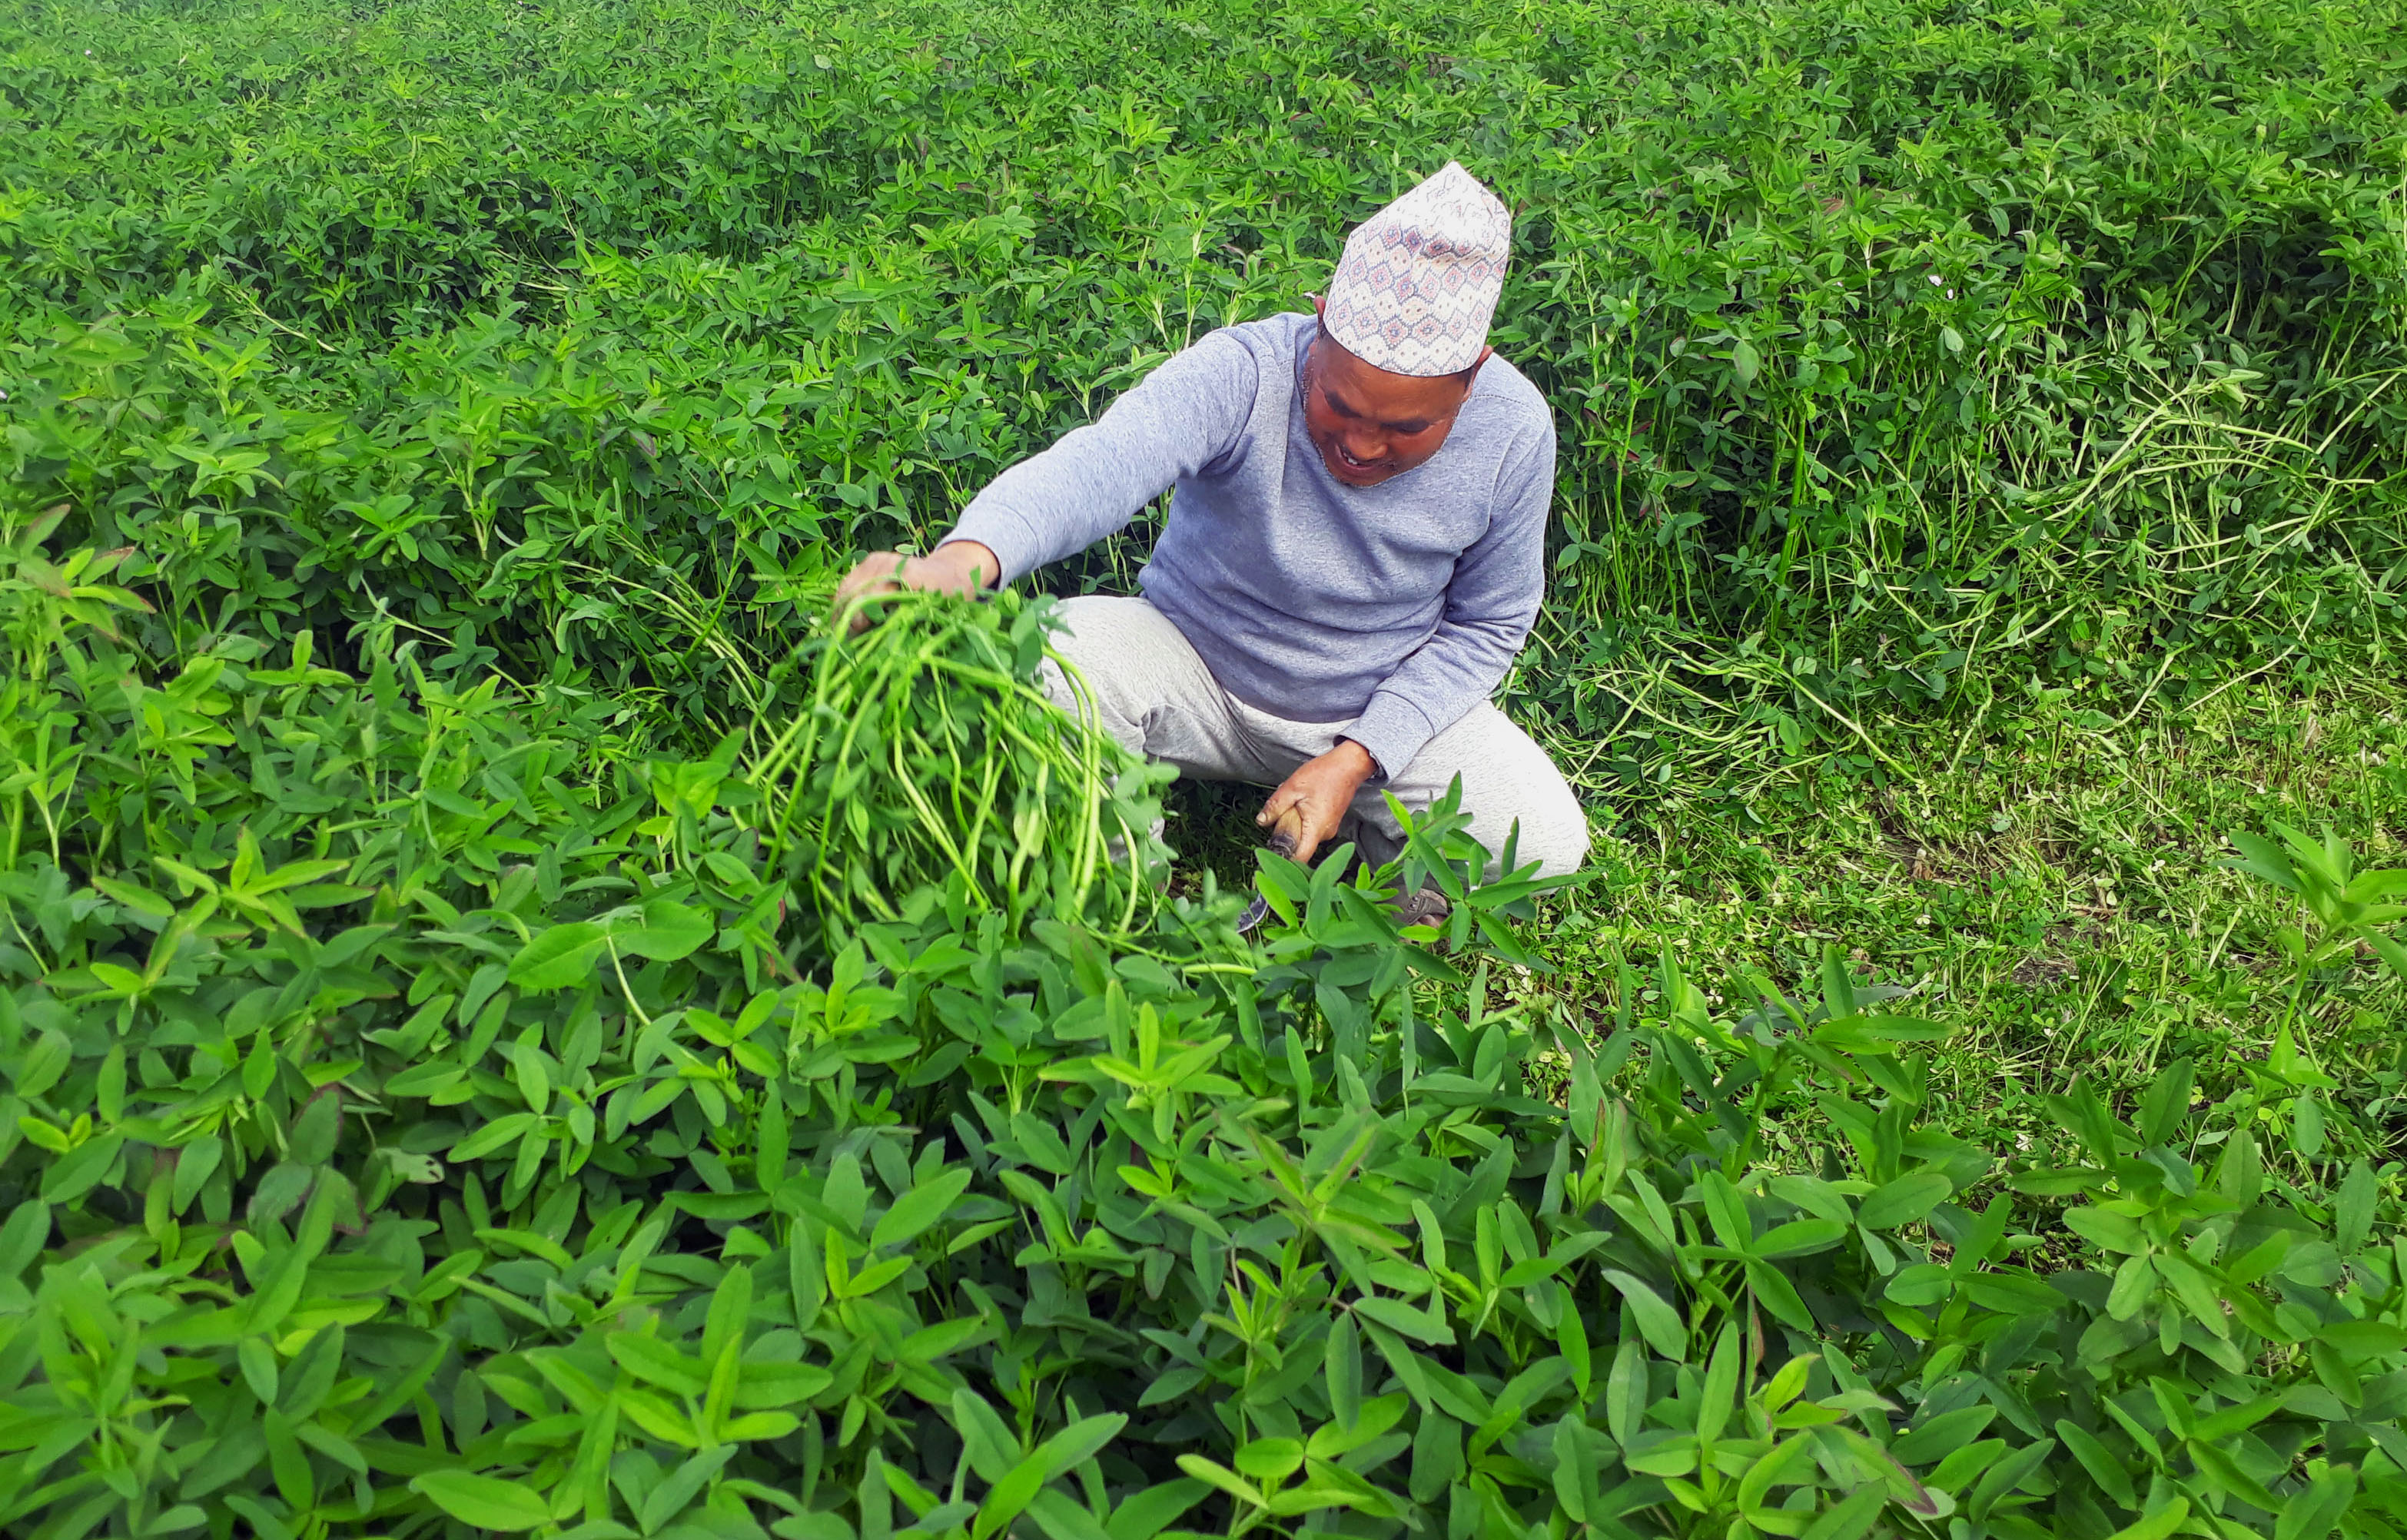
731,1307
2353,1209
1852,1517
773,1386
1657,1321
2312,1515
1787,1463
2218,1466
2165,1109
425,1079
1226,1479
1342,1368
558,958
670,931
2261,858
920,1208
1902,1201
256,1358
2135,1281
196,1163
2307,1125
1942,1433
1570,1341
2058,1181
1170,1386
1626,1390
2012,1292
1270,1459
1717,1399
1959,1466
312,1140
23,1238
1057,1515
655,1362
1577,1455
987,1440
1397,1315
2007,1475
2103,1468
2389,950
1799,1238
1079,1442
2162,1522
1150,1512
1010,1497
1746,362
501,1131
1776,1294
81,1169
682,1486
2107,1229
761,1426
487,1501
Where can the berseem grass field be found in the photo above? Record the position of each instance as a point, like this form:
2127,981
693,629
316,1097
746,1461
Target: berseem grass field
509,1028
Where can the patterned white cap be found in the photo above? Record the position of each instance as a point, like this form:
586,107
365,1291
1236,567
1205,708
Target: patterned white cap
1418,283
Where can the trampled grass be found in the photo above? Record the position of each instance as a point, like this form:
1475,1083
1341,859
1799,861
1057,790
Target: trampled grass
2063,897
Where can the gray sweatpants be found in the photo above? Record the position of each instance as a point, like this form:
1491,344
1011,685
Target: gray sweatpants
1155,696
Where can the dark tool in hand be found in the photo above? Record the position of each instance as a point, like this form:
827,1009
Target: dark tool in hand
1285,835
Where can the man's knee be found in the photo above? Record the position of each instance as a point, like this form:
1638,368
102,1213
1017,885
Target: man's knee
1512,789
1555,832
1086,687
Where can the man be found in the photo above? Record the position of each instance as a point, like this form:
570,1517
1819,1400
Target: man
1354,553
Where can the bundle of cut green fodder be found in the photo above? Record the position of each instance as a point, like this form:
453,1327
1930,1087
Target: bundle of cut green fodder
927,756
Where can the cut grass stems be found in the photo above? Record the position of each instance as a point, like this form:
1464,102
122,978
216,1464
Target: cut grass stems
926,753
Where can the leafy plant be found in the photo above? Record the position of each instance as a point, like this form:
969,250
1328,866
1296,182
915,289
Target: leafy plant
1944,363
2348,909
506,1028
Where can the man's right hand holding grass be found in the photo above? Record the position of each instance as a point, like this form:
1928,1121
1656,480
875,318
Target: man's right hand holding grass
957,566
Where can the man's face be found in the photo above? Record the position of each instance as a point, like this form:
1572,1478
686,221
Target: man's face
1369,424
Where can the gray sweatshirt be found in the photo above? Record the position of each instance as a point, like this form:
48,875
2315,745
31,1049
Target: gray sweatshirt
1393,609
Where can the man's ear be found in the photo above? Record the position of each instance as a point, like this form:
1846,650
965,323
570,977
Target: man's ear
1470,373
1320,304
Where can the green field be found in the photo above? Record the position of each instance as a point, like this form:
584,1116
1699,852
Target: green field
506,1027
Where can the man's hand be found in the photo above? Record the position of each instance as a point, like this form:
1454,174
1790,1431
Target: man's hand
957,566
1319,794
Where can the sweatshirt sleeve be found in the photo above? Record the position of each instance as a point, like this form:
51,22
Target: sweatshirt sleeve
1490,605
1190,411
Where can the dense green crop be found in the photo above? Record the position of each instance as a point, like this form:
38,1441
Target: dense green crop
1898,349
509,1024
413,1122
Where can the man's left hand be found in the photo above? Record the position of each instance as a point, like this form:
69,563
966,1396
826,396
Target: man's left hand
1319,794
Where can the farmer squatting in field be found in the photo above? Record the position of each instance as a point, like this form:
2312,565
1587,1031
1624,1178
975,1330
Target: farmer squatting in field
1354,553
